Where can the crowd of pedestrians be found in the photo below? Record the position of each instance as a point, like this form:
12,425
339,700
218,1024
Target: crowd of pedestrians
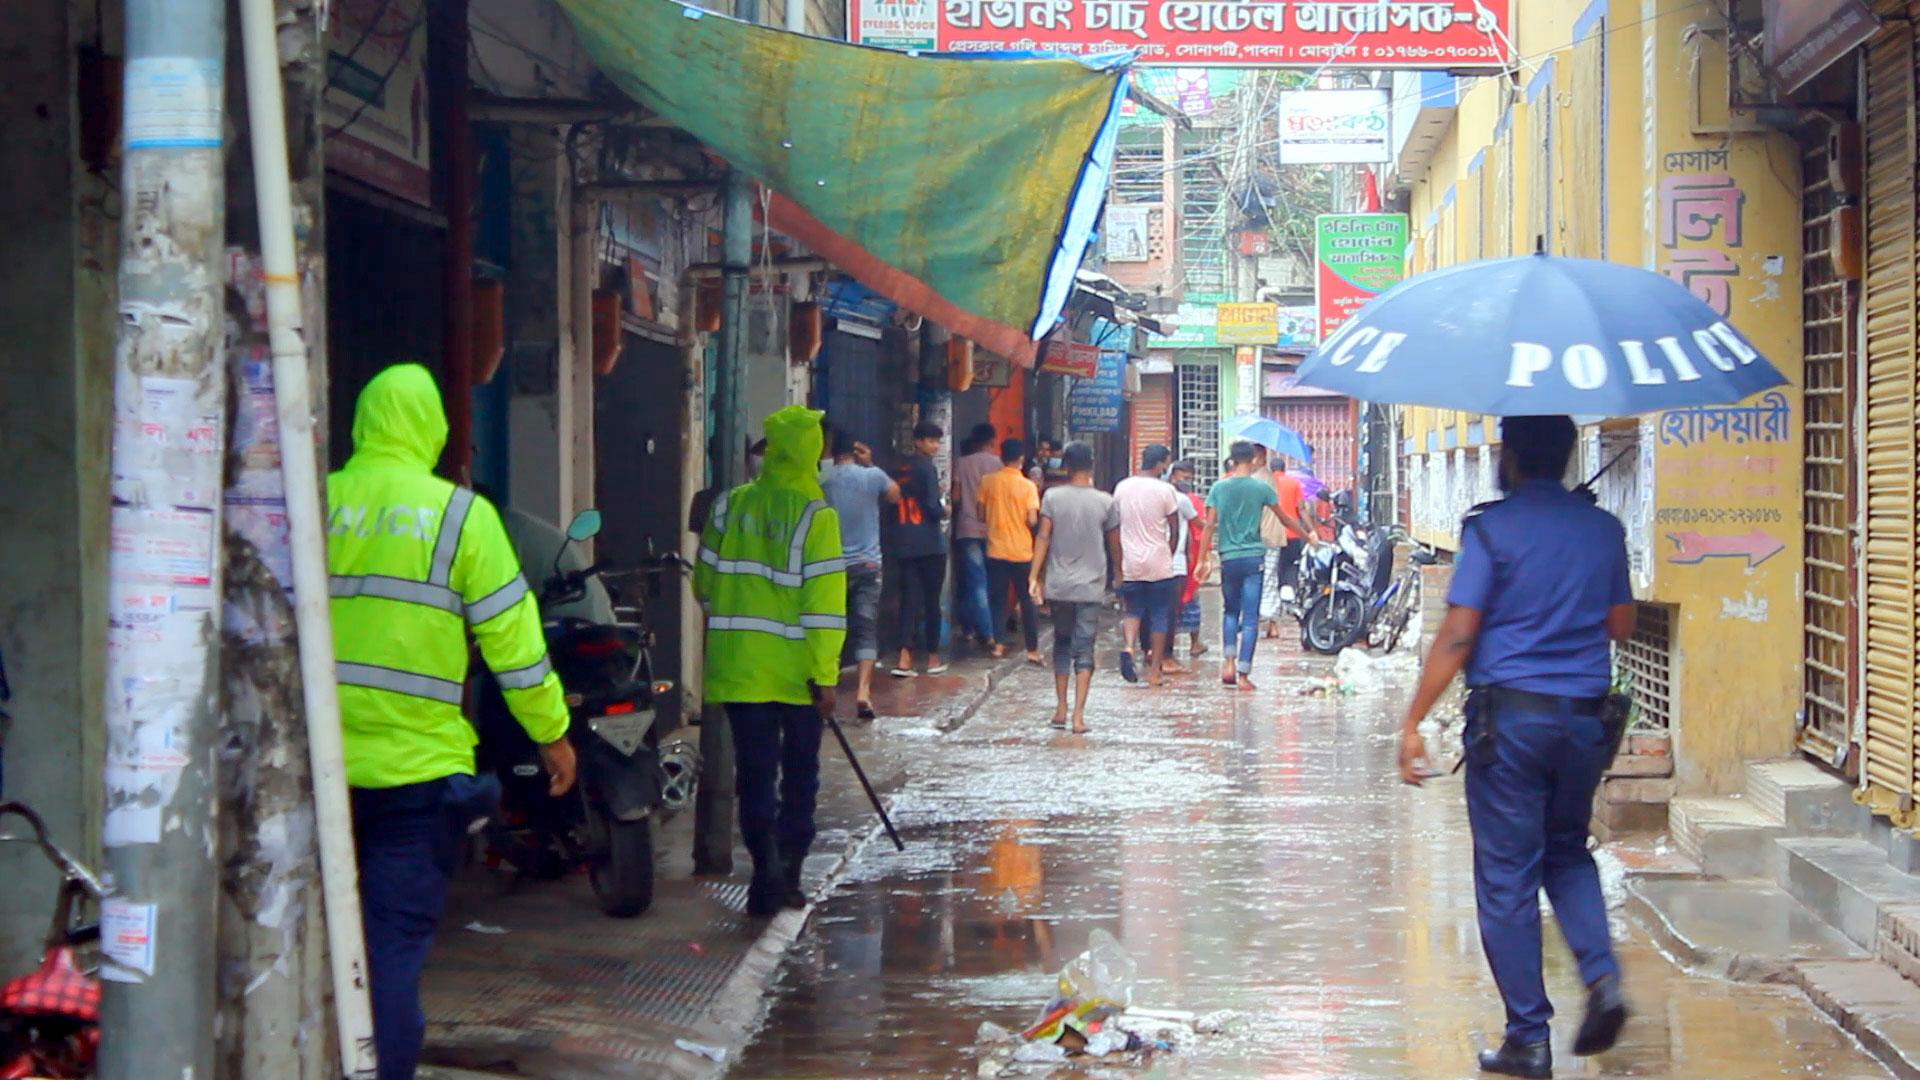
1031,534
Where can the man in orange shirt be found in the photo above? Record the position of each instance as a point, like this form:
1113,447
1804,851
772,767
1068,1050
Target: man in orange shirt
1010,506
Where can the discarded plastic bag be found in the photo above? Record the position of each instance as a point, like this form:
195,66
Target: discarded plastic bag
1105,972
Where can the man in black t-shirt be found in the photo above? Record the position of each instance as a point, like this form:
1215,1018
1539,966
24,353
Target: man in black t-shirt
920,549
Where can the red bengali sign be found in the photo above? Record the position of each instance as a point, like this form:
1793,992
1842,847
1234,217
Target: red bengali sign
1071,358
1187,33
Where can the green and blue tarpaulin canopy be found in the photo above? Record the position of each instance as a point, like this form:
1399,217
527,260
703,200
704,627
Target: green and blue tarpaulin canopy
964,188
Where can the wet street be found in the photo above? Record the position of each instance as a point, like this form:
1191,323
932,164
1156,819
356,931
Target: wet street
1254,852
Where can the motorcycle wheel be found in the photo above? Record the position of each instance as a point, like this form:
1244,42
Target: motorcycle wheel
1334,622
622,878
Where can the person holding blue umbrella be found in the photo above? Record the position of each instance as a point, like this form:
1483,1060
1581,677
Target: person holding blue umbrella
1540,588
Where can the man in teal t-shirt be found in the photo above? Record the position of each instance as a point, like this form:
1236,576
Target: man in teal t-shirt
1234,507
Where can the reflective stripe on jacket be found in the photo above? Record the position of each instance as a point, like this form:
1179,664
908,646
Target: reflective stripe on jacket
772,577
417,562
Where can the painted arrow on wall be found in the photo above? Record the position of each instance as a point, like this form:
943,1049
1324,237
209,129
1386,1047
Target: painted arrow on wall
1756,547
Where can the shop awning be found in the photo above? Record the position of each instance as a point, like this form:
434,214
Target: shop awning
964,188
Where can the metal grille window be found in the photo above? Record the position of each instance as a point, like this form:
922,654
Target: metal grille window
1828,581
1203,212
1644,663
1199,391
1139,166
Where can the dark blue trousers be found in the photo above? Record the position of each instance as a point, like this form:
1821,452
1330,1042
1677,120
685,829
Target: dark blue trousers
407,841
1529,805
776,753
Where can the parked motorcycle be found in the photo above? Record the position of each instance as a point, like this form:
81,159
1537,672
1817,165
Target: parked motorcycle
626,775
1360,598
50,1017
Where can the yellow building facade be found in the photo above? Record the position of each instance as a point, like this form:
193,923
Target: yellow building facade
1615,140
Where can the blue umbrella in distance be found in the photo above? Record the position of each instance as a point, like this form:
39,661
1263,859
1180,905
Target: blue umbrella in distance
1271,434
1540,335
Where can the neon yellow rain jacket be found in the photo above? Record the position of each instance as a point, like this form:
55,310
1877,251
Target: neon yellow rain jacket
416,561
772,577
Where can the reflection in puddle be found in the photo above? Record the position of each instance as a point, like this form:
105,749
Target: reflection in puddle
1254,852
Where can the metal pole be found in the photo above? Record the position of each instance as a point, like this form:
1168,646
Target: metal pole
447,47
736,256
162,695
300,476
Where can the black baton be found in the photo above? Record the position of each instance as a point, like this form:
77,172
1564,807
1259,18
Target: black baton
865,784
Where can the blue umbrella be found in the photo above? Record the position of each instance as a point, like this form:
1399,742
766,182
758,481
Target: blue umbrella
1271,434
1540,335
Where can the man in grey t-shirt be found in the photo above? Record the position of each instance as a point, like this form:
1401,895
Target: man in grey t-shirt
1074,560
855,490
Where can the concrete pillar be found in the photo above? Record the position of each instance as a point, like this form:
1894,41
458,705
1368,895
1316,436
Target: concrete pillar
541,350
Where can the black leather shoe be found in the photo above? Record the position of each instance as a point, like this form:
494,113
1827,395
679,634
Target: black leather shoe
765,898
1531,1060
791,865
1606,1015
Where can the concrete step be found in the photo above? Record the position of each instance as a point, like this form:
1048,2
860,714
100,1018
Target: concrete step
1729,837
1807,799
1741,929
1846,882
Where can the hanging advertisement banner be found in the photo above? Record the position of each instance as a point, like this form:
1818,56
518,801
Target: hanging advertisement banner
1296,326
1093,405
1071,358
1247,324
1192,326
1127,234
375,106
1449,34
1336,127
1356,258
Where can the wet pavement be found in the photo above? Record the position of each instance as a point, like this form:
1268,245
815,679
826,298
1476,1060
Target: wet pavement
1255,852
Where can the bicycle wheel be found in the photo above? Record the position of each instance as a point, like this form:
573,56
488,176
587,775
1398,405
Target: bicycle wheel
1406,607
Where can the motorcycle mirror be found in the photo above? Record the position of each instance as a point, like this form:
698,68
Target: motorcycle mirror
585,526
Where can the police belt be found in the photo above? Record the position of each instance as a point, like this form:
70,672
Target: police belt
1497,697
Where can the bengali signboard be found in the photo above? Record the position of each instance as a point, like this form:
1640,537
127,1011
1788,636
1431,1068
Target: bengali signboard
1093,405
1075,358
1192,325
1296,326
1336,127
1356,258
1319,34
1802,38
375,106
1246,324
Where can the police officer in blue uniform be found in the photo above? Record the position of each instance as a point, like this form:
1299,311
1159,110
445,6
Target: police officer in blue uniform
1540,590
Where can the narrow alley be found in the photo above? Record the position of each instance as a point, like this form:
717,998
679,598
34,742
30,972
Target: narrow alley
1254,852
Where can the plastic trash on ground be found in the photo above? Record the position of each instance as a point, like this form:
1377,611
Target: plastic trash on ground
1093,1016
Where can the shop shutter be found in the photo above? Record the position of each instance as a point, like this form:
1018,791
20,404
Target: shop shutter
1828,580
1888,298
1327,425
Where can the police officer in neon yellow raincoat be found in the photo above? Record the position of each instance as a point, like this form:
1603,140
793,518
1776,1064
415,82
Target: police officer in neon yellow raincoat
416,563
774,582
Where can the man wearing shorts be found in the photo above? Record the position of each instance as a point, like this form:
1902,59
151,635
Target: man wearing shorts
855,490
1073,557
1151,513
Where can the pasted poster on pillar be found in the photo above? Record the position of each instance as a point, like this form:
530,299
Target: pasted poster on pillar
1127,234
375,107
1356,258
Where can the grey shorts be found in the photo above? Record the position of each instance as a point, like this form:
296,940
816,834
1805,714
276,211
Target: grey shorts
863,611
1074,628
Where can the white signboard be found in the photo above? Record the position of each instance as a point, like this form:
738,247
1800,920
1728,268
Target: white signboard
1335,127
1127,234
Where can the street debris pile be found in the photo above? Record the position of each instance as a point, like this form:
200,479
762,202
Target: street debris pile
1093,1017
1358,673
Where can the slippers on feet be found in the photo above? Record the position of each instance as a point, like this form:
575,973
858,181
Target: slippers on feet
864,710
937,669
1127,671
1058,722
903,673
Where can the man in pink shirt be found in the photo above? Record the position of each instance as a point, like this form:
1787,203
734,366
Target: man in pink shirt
1151,513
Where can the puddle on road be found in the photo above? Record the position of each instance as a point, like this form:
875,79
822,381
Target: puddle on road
1254,852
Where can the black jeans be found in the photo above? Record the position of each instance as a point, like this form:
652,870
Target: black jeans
407,841
776,748
1002,575
927,576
